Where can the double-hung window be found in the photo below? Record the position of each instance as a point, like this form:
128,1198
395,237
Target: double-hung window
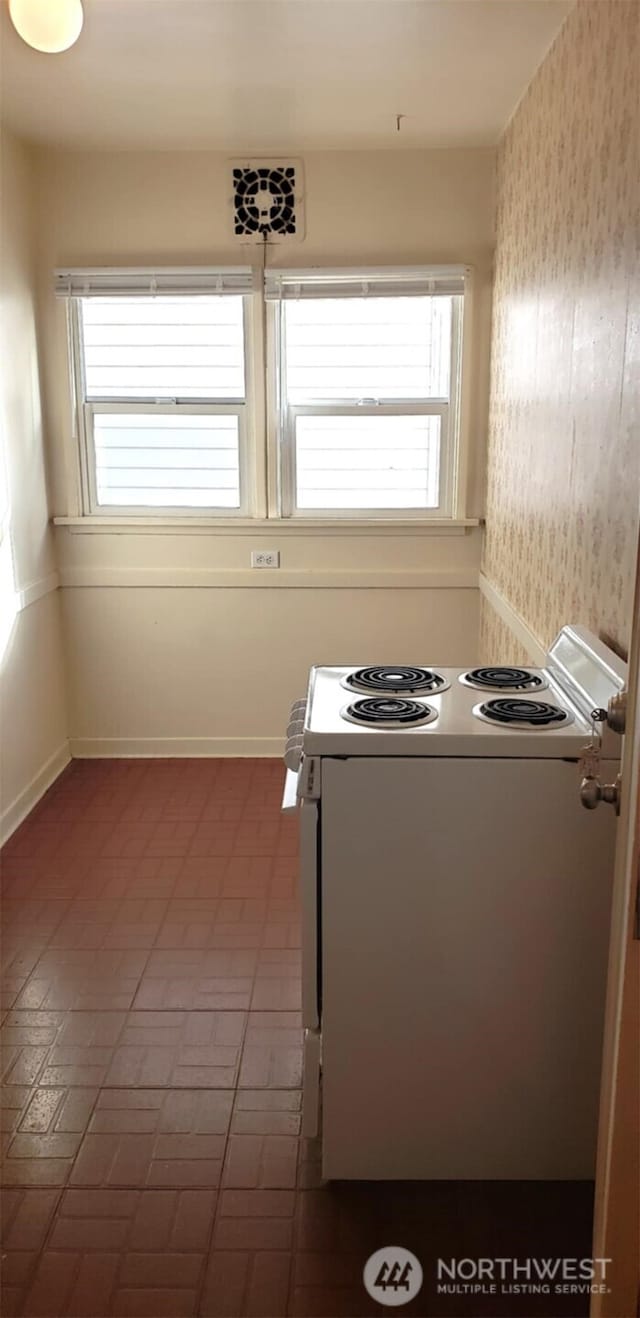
368,384
362,369
160,373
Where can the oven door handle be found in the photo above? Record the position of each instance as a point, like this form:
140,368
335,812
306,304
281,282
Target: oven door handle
290,802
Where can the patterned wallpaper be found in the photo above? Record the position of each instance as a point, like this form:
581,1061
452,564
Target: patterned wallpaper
496,642
564,447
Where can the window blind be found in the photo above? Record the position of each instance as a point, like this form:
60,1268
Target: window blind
368,364
376,462
162,347
191,281
421,281
161,384
367,348
160,461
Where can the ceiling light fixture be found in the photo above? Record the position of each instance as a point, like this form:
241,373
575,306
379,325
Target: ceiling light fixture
47,25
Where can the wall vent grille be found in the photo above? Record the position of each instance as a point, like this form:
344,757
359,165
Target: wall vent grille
267,201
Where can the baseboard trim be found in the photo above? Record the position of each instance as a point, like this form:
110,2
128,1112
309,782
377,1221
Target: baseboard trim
523,633
89,748
36,590
12,817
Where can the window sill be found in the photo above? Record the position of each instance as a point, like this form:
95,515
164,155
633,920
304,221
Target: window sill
98,525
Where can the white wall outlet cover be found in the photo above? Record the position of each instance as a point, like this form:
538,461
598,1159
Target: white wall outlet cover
265,558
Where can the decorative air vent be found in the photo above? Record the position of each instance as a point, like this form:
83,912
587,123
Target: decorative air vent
267,201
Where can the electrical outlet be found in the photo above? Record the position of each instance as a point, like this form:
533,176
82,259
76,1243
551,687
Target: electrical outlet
265,558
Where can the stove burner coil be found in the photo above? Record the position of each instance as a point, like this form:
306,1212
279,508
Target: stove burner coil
399,679
385,712
531,713
496,677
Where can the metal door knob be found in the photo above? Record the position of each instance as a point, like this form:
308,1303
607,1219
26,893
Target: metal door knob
617,712
592,792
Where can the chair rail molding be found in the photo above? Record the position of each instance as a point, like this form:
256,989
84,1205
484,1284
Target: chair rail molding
514,622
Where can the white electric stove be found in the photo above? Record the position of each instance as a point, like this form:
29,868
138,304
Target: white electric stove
455,900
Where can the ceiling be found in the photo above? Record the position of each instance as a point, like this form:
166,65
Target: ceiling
280,75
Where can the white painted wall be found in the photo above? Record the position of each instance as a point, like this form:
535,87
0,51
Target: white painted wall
34,738
162,630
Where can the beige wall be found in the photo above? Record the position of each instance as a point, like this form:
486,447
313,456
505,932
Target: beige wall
165,630
564,446
31,663
162,629
185,681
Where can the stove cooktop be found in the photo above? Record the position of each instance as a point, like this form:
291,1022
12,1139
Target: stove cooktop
517,713
401,679
498,678
445,720
381,712
533,712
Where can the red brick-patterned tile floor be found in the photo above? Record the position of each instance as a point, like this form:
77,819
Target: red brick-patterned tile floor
151,1061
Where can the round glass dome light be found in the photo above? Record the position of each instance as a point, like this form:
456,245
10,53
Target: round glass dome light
47,25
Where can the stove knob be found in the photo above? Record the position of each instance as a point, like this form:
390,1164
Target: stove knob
293,752
297,711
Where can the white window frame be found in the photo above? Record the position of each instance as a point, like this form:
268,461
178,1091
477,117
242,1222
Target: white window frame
85,410
283,418
266,450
